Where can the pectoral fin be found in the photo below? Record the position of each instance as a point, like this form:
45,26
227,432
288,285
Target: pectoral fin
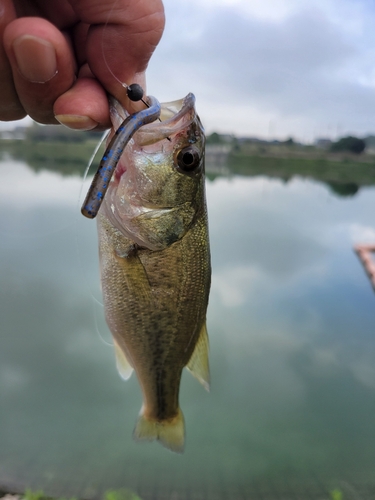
198,364
124,368
135,276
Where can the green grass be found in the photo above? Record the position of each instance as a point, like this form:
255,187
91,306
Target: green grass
40,495
34,495
121,494
125,494
336,495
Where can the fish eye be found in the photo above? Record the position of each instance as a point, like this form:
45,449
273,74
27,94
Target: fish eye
188,159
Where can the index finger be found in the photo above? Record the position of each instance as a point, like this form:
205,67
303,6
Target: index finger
122,37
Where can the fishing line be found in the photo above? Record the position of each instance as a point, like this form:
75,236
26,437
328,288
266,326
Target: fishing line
77,218
134,91
111,157
135,94
98,331
120,139
95,300
90,162
102,46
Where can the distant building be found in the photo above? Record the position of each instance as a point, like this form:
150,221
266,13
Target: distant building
370,144
323,143
18,133
216,149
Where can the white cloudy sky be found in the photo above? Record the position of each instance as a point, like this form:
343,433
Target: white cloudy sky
271,68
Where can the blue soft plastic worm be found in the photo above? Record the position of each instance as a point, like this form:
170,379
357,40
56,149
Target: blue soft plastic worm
127,129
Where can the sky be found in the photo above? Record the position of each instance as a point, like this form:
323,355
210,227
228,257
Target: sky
271,68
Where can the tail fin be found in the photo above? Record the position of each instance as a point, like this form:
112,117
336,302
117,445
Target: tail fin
170,433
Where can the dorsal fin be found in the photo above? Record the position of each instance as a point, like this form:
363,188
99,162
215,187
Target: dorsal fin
198,364
124,367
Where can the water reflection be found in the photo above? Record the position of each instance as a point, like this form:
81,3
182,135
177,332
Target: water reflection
291,322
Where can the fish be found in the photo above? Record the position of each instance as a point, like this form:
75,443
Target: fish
155,265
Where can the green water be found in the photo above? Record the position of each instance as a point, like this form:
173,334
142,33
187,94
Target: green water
291,322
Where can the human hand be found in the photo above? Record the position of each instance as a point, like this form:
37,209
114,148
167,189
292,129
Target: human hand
65,55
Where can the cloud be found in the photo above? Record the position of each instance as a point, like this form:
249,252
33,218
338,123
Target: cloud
360,233
304,66
236,285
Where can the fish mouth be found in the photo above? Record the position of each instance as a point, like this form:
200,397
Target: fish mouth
175,116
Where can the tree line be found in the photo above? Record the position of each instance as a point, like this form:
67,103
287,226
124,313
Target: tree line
349,143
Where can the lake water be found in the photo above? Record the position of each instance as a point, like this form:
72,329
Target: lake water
291,322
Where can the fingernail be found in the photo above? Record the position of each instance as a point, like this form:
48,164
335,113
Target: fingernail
77,122
36,58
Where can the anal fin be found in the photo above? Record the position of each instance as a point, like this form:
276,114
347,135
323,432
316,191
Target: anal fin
198,364
124,368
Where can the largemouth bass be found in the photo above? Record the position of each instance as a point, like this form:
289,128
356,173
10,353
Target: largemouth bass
155,264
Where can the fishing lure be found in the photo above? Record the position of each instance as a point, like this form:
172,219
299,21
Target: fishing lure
115,148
